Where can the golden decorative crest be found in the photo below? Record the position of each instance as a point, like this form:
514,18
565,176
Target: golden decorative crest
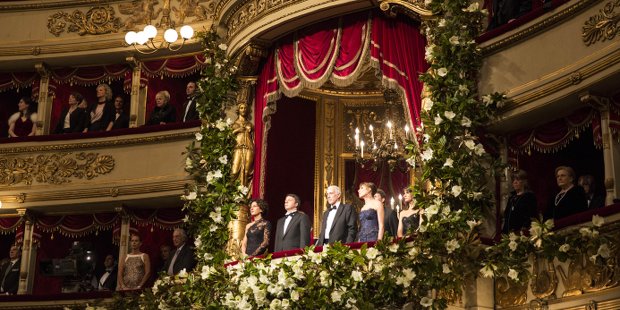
510,293
544,280
98,20
603,26
53,169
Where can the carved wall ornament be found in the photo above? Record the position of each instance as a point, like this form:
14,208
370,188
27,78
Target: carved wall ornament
413,8
143,12
544,280
98,20
603,26
54,169
510,293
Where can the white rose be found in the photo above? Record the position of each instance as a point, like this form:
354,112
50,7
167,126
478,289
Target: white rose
442,72
356,276
598,221
470,144
604,251
449,162
564,248
427,155
513,274
438,120
426,302
223,46
449,115
191,196
452,245
473,7
466,122
223,159
454,40
372,253
513,246
446,268
198,136
336,296
487,271
427,104
456,190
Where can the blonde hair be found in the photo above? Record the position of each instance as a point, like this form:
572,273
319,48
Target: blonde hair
108,91
165,94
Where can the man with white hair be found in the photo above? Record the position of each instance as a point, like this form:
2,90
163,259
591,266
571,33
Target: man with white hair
183,256
339,220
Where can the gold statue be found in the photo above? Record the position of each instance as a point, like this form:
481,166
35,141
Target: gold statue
243,156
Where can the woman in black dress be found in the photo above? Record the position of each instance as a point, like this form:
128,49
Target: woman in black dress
163,113
101,114
257,233
570,200
410,217
521,206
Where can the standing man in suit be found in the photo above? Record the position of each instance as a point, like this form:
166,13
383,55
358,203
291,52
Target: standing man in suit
390,218
293,230
183,256
339,220
10,272
189,107
108,279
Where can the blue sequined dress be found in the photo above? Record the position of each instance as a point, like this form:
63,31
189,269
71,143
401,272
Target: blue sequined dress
369,226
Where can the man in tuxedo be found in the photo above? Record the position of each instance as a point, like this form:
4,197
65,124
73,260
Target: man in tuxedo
10,272
339,220
189,107
293,230
106,281
390,218
183,256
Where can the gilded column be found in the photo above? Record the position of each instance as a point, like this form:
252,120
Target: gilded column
124,238
44,110
27,258
611,148
137,110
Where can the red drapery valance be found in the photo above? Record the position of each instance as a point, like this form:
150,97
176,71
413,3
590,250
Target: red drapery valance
17,80
338,50
557,134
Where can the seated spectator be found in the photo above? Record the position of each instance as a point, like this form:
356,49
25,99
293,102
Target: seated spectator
570,200
595,199
121,119
10,272
101,114
22,123
163,113
521,206
107,280
72,118
505,11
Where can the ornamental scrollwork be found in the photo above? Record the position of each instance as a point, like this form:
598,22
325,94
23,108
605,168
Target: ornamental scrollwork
54,169
603,26
98,20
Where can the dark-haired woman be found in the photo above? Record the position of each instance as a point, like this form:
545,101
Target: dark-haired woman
521,206
371,214
72,118
256,239
135,268
21,124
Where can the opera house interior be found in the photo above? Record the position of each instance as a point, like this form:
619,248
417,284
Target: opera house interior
128,127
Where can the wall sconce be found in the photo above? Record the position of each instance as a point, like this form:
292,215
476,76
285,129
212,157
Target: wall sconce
145,39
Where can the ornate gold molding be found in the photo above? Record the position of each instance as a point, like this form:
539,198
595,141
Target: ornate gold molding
603,26
413,8
98,144
54,169
40,5
246,12
98,20
509,293
537,28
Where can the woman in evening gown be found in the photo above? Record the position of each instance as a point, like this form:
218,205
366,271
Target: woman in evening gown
22,123
409,218
135,269
257,233
371,215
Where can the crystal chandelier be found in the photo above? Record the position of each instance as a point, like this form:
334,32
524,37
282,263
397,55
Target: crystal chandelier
144,41
383,142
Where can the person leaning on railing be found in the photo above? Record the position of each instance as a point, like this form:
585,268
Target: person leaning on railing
570,199
72,118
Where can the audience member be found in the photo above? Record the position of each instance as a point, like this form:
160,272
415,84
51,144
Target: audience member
164,113
570,200
410,217
258,232
22,123
371,215
72,118
135,269
521,206
10,272
183,257
390,219
164,255
121,119
505,11
595,199
189,107
293,230
101,114
108,279
339,222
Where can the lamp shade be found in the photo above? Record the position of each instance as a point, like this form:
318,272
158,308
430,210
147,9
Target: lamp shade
141,38
171,35
150,31
130,37
187,32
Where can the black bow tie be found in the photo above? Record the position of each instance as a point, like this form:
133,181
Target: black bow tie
108,270
291,214
331,208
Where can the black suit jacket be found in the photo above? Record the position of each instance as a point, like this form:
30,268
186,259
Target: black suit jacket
77,121
344,226
109,113
11,280
185,260
121,122
166,114
390,221
297,234
192,114
110,281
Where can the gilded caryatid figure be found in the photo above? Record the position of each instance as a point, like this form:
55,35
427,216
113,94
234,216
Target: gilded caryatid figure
243,156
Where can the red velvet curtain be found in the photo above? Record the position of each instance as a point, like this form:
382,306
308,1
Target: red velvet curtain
337,50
